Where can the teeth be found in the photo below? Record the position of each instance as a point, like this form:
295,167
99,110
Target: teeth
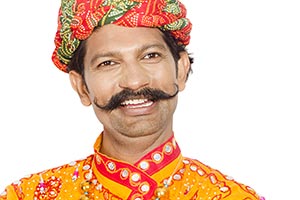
141,105
134,101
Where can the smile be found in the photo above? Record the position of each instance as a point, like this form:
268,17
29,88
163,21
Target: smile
137,103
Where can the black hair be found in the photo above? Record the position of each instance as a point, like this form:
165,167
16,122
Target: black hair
77,63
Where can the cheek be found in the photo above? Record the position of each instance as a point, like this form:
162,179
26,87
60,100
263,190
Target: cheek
101,88
166,76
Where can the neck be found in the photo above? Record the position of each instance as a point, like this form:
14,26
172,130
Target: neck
131,149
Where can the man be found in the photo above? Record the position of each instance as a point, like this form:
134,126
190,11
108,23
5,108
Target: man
127,59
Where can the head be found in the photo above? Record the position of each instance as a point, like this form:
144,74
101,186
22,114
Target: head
130,74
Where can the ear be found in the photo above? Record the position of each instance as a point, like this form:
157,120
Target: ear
183,68
79,86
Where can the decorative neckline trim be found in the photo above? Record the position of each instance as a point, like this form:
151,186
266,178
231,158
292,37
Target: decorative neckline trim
139,177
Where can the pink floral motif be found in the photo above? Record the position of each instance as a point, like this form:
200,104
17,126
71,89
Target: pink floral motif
48,190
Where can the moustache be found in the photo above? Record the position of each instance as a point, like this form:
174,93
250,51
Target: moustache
126,94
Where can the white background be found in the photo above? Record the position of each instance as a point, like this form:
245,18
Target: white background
240,112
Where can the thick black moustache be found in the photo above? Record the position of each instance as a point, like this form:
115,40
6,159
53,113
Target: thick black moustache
148,93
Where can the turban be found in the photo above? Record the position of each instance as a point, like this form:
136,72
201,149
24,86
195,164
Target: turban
78,18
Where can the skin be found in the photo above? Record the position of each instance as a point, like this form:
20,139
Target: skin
119,58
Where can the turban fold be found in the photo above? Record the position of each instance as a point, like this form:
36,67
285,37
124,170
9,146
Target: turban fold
78,18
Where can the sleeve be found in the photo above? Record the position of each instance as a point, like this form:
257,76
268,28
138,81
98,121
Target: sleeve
9,194
221,186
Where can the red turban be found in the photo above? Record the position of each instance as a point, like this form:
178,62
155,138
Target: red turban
78,18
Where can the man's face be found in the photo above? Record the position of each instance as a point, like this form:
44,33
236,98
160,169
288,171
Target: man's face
122,59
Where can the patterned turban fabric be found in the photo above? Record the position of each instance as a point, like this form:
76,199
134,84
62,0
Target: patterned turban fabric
78,18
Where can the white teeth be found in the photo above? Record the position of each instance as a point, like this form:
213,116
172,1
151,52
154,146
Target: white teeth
134,102
142,105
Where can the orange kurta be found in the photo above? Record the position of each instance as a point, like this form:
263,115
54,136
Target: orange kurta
104,178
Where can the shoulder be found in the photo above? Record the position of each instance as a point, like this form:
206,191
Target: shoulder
55,179
215,183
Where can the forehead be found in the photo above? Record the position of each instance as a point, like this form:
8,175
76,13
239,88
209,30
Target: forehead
114,37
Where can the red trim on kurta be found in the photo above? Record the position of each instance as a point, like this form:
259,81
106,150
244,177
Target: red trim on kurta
167,157
157,159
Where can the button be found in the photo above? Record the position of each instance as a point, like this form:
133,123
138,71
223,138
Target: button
144,165
193,168
125,173
86,167
157,157
111,166
177,177
145,188
135,177
168,149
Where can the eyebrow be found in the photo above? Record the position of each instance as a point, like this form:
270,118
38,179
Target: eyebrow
118,53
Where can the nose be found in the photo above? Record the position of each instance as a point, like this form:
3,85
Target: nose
134,76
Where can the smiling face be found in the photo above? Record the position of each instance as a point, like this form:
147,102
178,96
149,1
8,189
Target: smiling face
135,66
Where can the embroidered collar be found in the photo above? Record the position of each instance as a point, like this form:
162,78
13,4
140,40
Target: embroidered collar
143,177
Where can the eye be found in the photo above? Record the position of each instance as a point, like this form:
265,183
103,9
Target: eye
152,55
106,63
